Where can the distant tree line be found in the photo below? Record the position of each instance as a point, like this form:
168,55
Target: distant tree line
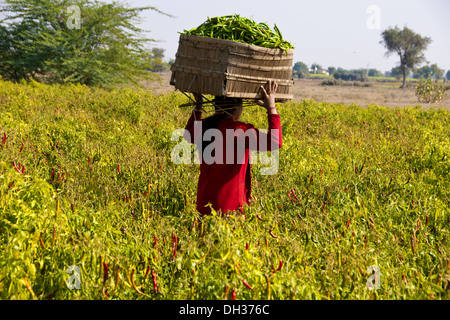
407,44
302,71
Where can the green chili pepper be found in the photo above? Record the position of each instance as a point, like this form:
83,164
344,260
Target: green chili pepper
241,29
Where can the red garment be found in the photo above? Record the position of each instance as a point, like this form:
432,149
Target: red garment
228,186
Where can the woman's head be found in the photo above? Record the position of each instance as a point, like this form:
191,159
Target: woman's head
229,106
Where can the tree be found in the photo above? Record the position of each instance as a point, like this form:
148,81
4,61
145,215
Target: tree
42,42
316,67
300,66
332,70
408,45
374,73
428,71
156,63
300,70
423,73
396,73
436,72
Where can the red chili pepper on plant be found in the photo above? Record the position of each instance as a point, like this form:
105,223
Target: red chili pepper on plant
147,272
294,194
272,235
289,195
105,274
280,265
155,284
247,285
233,294
15,167
21,149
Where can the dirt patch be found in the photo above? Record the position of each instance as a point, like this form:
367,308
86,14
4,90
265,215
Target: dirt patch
383,94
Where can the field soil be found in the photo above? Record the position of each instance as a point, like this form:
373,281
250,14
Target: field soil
384,94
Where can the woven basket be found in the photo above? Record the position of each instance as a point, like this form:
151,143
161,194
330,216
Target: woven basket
231,69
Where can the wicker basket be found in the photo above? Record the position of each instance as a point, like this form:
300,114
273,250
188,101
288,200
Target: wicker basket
229,68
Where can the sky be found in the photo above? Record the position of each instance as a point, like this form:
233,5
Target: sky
331,33
339,33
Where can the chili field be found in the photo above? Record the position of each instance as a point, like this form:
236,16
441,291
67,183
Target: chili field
87,180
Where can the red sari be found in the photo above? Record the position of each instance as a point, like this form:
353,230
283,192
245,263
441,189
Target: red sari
227,186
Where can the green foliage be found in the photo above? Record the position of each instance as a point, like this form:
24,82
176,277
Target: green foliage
374,73
300,70
408,45
396,73
372,188
41,42
157,64
352,75
427,71
316,68
241,29
430,91
332,70
339,82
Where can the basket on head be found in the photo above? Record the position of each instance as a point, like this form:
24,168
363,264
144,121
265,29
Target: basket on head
230,69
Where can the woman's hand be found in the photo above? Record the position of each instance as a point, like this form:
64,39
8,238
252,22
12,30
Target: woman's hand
198,102
268,94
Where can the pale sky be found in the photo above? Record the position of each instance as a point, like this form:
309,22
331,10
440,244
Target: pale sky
344,33
332,33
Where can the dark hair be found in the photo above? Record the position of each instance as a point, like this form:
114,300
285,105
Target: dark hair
212,122
220,103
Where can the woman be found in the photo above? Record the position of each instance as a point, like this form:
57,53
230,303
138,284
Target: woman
225,184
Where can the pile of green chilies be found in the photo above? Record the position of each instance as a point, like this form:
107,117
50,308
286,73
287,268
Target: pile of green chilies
241,29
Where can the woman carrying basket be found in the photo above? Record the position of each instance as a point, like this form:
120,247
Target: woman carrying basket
225,183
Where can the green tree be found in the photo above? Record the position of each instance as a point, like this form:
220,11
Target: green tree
408,45
41,41
332,70
156,63
428,71
396,73
436,72
316,67
423,73
300,70
374,73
